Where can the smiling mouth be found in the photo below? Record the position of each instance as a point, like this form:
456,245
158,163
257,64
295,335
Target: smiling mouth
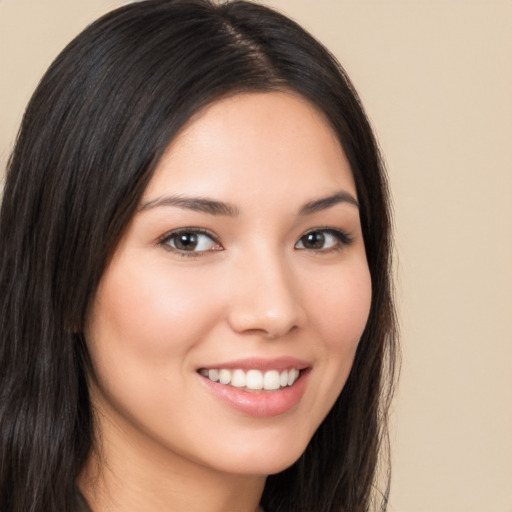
252,379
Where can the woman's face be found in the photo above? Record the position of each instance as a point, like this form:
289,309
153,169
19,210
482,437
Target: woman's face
244,267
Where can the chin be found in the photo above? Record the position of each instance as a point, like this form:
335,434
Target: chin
265,459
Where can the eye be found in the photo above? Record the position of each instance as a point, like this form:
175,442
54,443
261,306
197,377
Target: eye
192,241
323,240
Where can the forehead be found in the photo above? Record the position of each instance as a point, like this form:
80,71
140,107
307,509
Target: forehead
262,143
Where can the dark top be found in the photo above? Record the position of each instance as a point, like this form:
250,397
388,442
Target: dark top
80,504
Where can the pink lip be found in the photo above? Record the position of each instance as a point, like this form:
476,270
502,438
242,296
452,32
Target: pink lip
279,364
262,403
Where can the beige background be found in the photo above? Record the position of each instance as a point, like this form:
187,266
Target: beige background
436,78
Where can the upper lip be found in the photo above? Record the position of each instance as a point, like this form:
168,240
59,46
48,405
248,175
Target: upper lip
257,363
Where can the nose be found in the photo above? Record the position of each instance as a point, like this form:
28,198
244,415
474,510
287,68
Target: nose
267,299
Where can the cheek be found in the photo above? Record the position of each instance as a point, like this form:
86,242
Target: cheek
141,327
341,306
149,312
340,311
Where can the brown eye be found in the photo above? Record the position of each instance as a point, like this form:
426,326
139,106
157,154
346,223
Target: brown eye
184,241
314,240
191,241
322,240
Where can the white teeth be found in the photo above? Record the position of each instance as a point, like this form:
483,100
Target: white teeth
292,376
213,375
238,379
271,380
224,376
253,379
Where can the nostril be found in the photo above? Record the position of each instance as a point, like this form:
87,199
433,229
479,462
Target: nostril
266,323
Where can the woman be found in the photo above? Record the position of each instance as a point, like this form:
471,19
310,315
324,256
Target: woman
195,273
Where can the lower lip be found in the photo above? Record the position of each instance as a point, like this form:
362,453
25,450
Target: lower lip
260,403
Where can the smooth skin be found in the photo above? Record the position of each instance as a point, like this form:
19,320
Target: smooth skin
268,261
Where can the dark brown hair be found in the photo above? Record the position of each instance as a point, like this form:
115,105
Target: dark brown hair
91,137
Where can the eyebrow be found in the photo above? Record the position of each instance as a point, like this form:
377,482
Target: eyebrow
213,207
327,202
198,204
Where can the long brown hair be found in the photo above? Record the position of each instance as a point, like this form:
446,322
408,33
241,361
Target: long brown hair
90,140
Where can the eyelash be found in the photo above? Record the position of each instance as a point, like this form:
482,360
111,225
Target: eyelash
342,239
